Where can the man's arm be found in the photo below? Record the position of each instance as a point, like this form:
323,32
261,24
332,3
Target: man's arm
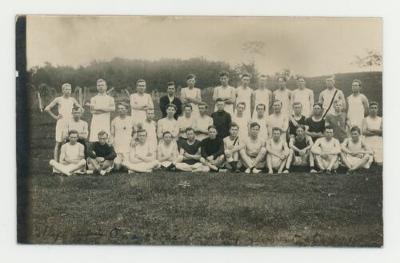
321,98
316,148
85,131
365,104
270,150
178,106
220,150
159,129
336,147
63,155
215,94
50,107
91,151
111,155
76,103
311,98
163,106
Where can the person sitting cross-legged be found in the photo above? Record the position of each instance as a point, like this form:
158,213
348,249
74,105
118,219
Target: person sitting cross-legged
101,155
300,150
72,157
277,152
326,151
356,153
212,150
253,153
142,155
167,151
190,154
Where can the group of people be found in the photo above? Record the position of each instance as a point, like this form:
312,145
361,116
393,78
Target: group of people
241,134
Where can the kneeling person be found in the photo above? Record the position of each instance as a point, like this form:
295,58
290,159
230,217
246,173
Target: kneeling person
277,152
326,151
300,150
253,152
101,155
142,155
72,157
212,150
355,153
167,151
190,154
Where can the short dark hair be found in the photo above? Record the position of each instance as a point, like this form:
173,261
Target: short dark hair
355,128
165,133
141,130
202,103
301,127
126,105
73,132
261,104
245,75
219,99
374,103
328,127
171,83
358,81
140,80
101,133
190,76
277,129
318,104
254,124
211,127
189,129
171,106
234,124
224,74
188,105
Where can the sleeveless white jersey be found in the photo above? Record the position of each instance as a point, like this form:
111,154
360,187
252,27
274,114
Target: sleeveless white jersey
192,93
356,110
243,123
101,121
263,126
225,93
137,100
303,96
123,134
262,96
253,147
284,97
244,95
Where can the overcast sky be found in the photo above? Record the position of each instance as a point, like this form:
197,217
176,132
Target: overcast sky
309,46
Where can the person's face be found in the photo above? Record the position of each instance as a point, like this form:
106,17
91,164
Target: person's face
355,87
245,81
224,80
234,131
355,135
122,110
254,131
171,111
167,138
260,111
66,90
338,107
76,114
240,108
220,105
297,108
281,83
190,135
276,135
103,139
317,110
301,83
202,109
373,110
191,82
328,133
300,132
171,90
277,106
142,137
188,112
141,87
263,82
330,83
212,133
73,138
101,87
150,114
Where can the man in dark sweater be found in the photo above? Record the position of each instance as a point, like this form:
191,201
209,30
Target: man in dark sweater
101,155
170,98
212,150
221,119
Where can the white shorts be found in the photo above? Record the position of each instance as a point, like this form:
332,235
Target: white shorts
354,160
60,129
276,162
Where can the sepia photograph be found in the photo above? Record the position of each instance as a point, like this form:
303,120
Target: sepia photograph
199,130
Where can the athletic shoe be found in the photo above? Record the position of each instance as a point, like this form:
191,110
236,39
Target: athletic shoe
313,171
213,167
248,170
256,171
103,172
89,172
222,170
286,171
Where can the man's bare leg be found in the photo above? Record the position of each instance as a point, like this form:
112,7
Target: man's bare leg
319,162
345,161
363,161
282,165
94,164
289,159
269,164
260,157
247,161
57,151
332,161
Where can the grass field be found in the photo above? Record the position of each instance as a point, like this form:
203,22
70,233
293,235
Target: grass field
194,209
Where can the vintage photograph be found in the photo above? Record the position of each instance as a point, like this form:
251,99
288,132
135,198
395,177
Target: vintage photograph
199,130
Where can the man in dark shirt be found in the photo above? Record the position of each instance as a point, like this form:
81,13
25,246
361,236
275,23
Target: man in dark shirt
316,123
101,155
212,150
221,119
297,119
170,98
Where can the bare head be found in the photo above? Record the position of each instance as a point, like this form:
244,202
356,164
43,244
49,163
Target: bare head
260,108
224,78
330,82
234,129
101,85
317,110
76,113
297,108
245,79
212,132
328,132
240,107
73,136
142,136
140,86
66,89
220,104
203,108
187,110
150,114
103,137
190,134
282,82
171,88
301,82
167,137
191,80
276,133
355,133
277,106
254,130
300,131
171,110
356,86
373,109
122,109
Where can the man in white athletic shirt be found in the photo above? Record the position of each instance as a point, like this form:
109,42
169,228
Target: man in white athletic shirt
72,157
277,152
168,123
185,121
202,122
232,147
357,105
253,153
225,92
167,152
330,95
241,120
372,132
261,118
142,155
356,153
284,95
326,151
277,119
304,96
244,94
262,95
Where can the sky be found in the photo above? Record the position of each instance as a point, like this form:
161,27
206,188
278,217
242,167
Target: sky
311,46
